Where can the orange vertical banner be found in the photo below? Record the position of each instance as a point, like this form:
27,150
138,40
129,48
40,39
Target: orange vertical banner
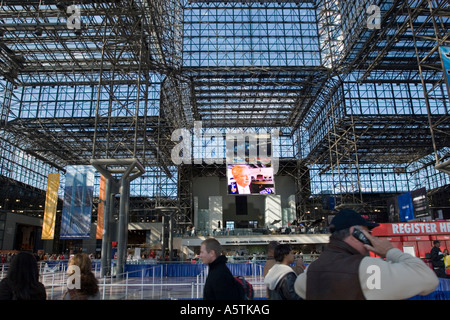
101,208
51,203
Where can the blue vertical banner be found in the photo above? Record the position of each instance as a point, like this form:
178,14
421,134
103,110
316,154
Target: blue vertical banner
405,207
77,208
445,57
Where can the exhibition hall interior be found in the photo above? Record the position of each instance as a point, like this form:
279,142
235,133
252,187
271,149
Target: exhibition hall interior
134,129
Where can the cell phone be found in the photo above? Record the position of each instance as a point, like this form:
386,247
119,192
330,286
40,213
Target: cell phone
360,236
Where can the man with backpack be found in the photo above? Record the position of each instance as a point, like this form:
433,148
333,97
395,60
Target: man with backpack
220,283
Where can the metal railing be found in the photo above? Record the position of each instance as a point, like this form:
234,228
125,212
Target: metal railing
147,283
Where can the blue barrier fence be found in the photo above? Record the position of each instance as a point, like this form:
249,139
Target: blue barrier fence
163,270
170,269
188,270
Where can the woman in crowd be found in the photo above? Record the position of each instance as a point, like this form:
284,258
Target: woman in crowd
22,279
87,282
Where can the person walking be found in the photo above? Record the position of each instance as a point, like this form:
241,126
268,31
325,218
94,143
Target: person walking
281,277
220,283
437,259
298,267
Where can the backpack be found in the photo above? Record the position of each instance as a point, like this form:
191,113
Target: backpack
246,286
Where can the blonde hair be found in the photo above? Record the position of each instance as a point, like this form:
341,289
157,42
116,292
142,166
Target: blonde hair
238,169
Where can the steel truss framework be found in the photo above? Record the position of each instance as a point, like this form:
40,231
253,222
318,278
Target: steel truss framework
360,109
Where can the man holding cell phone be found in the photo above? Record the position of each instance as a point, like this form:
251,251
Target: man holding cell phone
346,271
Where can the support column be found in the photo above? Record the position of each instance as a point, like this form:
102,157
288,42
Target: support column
167,228
132,170
105,267
122,236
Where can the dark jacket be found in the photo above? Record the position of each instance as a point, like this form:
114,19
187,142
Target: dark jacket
437,258
335,275
280,283
220,283
7,291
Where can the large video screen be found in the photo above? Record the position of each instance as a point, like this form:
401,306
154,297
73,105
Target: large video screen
250,179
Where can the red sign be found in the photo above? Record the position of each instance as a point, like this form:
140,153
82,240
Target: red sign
412,229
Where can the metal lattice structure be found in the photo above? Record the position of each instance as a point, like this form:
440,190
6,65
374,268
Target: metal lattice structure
361,106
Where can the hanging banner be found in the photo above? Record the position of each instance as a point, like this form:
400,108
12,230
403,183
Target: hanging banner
77,209
101,208
405,207
445,57
51,203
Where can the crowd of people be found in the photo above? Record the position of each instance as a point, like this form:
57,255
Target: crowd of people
345,270
7,257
